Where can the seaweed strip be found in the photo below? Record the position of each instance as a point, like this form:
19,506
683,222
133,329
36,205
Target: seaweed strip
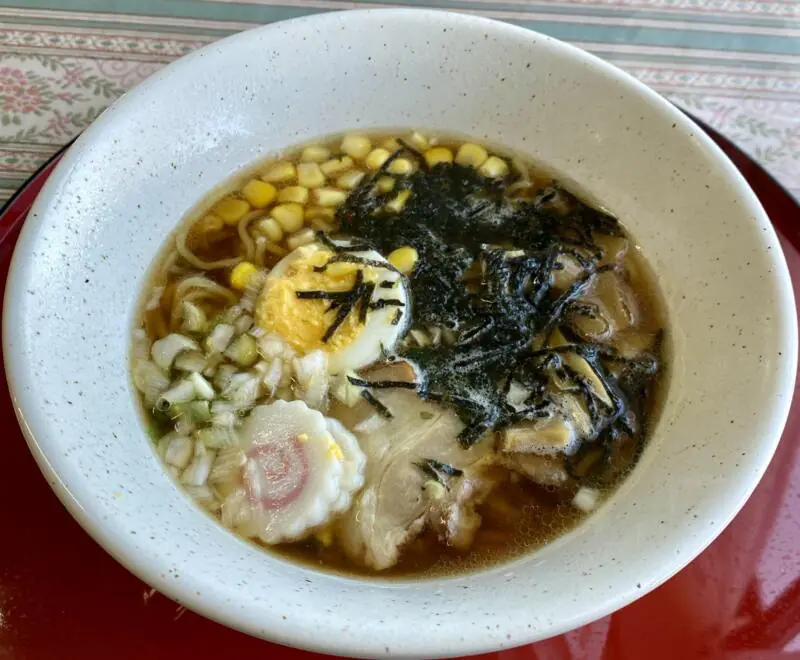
382,410
382,384
352,246
437,470
456,218
381,303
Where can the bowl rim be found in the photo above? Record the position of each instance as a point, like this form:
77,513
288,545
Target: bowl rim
18,373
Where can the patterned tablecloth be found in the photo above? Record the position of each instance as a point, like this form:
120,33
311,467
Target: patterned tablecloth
734,63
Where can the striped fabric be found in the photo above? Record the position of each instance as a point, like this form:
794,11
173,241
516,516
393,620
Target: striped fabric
734,63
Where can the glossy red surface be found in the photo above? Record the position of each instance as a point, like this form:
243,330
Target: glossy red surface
61,596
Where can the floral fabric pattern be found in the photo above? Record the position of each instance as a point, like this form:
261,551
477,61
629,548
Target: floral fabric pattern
735,65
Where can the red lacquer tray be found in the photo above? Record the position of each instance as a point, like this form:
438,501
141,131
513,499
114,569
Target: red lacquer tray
61,596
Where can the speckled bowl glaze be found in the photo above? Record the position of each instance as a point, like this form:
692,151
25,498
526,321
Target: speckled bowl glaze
81,261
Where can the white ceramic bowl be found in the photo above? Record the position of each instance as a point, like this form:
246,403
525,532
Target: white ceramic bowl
96,227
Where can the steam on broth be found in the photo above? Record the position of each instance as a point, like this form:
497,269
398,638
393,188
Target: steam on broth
399,355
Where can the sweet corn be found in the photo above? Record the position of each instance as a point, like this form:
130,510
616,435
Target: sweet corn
404,259
494,167
329,196
241,275
231,209
356,146
336,165
300,238
209,222
315,154
391,144
259,193
320,218
281,172
314,212
376,158
385,184
418,141
472,155
396,205
349,180
289,217
438,155
320,224
270,228
401,166
296,194
309,175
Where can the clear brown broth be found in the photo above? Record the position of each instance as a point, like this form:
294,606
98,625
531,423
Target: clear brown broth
519,516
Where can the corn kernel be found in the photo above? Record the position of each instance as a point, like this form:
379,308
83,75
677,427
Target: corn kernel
259,193
401,166
296,194
320,224
315,154
329,196
209,222
396,205
403,259
321,218
472,155
376,158
314,212
438,155
391,144
337,165
349,180
418,141
281,172
300,238
241,275
231,209
289,217
385,184
309,175
270,228
494,167
356,146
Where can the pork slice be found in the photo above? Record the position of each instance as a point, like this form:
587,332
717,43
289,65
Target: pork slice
392,507
452,514
543,470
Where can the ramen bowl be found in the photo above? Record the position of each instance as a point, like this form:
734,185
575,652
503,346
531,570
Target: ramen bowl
81,265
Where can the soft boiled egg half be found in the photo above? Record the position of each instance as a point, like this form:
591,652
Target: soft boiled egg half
354,306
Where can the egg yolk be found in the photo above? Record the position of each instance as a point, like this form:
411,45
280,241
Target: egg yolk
302,323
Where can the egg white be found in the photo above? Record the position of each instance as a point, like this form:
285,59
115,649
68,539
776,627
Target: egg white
377,336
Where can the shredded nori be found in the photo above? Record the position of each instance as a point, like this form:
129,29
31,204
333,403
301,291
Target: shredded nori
358,297
355,259
382,384
437,470
485,271
382,410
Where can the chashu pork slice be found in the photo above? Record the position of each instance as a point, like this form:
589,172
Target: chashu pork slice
392,508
